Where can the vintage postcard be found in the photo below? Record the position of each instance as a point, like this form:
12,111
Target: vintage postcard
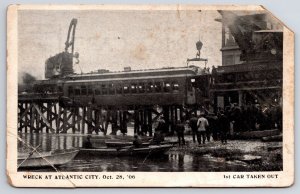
149,96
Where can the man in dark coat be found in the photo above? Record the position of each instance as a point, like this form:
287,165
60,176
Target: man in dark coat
193,125
180,133
137,143
224,124
87,143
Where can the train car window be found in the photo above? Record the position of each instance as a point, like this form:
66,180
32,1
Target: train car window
167,87
97,90
111,89
133,88
77,90
104,89
90,90
119,89
157,87
141,88
83,90
71,91
175,86
149,87
126,89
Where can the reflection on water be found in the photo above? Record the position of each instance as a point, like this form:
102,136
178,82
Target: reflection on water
48,142
169,162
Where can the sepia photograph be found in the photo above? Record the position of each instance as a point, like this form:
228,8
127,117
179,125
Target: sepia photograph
153,90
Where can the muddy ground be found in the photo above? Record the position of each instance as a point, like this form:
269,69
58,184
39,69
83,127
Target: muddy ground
255,154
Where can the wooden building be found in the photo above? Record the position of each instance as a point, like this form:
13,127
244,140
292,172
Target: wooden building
251,71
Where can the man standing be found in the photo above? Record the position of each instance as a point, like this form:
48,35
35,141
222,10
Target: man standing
225,127
87,143
180,133
193,125
137,143
202,124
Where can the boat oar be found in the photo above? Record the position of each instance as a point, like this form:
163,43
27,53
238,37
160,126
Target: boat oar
147,156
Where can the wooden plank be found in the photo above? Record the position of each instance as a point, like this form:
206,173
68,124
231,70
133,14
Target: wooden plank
58,119
83,120
26,118
89,119
24,113
73,119
78,118
32,119
48,118
65,120
150,122
43,117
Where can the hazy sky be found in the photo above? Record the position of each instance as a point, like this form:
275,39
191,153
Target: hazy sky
115,39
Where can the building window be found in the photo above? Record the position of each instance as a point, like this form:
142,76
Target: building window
141,88
167,87
157,87
175,86
229,39
149,87
126,89
133,88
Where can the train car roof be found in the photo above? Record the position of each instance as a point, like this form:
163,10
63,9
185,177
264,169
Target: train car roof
124,79
139,74
144,71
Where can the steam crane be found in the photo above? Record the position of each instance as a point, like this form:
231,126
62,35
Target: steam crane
61,64
252,35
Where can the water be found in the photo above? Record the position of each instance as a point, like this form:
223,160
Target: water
172,161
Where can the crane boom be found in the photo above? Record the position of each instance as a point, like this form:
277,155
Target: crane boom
62,63
245,30
71,42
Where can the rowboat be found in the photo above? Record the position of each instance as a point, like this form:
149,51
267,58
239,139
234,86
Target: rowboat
272,138
126,151
118,144
45,159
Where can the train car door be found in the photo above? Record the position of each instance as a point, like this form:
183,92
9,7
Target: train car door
190,94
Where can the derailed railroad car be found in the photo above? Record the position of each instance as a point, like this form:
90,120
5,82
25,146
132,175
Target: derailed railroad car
166,86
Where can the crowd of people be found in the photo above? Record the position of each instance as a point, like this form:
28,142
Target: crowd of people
201,128
219,126
232,120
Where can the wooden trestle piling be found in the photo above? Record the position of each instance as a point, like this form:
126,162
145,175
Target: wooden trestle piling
49,115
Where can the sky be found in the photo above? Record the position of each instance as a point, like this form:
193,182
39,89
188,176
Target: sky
116,39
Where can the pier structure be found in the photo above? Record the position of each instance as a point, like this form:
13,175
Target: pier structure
51,114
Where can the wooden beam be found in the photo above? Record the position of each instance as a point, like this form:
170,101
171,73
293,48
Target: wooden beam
24,113
43,117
